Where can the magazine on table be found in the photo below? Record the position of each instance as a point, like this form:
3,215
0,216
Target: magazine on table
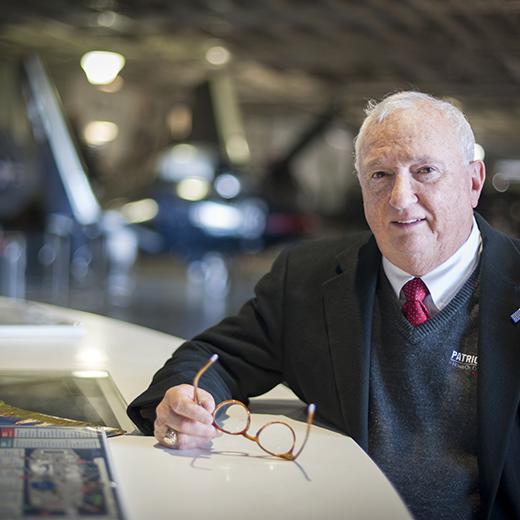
58,472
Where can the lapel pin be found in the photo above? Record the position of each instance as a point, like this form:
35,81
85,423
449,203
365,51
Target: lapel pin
516,316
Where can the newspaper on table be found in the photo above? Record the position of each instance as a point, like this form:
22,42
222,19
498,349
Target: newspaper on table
60,472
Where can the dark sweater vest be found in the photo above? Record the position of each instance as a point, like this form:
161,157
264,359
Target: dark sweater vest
423,404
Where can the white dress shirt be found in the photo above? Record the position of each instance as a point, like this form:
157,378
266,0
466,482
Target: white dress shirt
445,281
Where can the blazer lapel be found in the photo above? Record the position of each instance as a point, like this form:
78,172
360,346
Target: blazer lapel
349,300
499,358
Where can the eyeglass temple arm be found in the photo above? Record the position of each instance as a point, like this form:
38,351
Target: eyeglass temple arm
310,418
198,375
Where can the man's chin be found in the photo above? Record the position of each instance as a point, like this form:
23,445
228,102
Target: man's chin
411,255
410,243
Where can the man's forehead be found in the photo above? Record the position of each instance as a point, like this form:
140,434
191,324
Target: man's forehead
401,133
406,124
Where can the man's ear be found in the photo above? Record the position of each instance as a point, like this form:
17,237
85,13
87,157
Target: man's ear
478,176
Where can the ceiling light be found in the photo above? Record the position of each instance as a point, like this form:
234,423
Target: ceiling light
227,185
140,210
98,133
218,55
102,67
193,188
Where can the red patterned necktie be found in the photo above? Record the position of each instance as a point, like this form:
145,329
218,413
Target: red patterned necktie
414,309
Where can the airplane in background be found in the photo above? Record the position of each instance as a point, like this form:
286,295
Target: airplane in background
201,202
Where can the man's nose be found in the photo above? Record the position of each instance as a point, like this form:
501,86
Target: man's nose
403,193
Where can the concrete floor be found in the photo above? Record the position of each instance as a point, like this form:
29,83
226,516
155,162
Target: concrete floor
184,300
165,294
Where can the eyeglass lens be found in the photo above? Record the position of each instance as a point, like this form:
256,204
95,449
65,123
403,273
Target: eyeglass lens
232,418
275,437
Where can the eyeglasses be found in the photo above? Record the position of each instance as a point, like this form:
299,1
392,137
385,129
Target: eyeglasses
233,417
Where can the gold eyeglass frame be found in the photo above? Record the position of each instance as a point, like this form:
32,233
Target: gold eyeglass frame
288,455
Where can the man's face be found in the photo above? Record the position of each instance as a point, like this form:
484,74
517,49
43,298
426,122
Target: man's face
418,190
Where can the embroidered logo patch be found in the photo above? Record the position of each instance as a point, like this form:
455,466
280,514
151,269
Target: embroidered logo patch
464,361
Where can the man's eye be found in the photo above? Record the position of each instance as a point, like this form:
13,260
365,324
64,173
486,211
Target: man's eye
378,175
426,169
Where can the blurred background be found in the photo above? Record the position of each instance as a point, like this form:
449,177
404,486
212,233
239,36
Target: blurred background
155,156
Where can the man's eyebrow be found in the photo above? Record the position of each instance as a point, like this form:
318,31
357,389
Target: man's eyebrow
374,163
425,158
382,162
428,159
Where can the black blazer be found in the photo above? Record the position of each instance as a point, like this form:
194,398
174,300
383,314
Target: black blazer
310,325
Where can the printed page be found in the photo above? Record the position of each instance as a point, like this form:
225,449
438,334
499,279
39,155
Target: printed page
56,472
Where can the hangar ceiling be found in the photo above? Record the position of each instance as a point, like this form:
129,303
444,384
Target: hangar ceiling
297,54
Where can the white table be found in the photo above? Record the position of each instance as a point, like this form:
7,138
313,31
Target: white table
333,478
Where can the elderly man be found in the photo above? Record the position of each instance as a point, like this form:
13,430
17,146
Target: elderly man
402,337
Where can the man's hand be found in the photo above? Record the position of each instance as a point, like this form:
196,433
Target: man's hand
191,421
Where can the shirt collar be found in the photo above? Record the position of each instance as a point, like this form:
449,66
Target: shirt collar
446,279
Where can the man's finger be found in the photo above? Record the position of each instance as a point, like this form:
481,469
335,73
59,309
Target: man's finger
171,438
183,405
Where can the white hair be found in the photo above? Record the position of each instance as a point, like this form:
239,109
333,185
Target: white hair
376,112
